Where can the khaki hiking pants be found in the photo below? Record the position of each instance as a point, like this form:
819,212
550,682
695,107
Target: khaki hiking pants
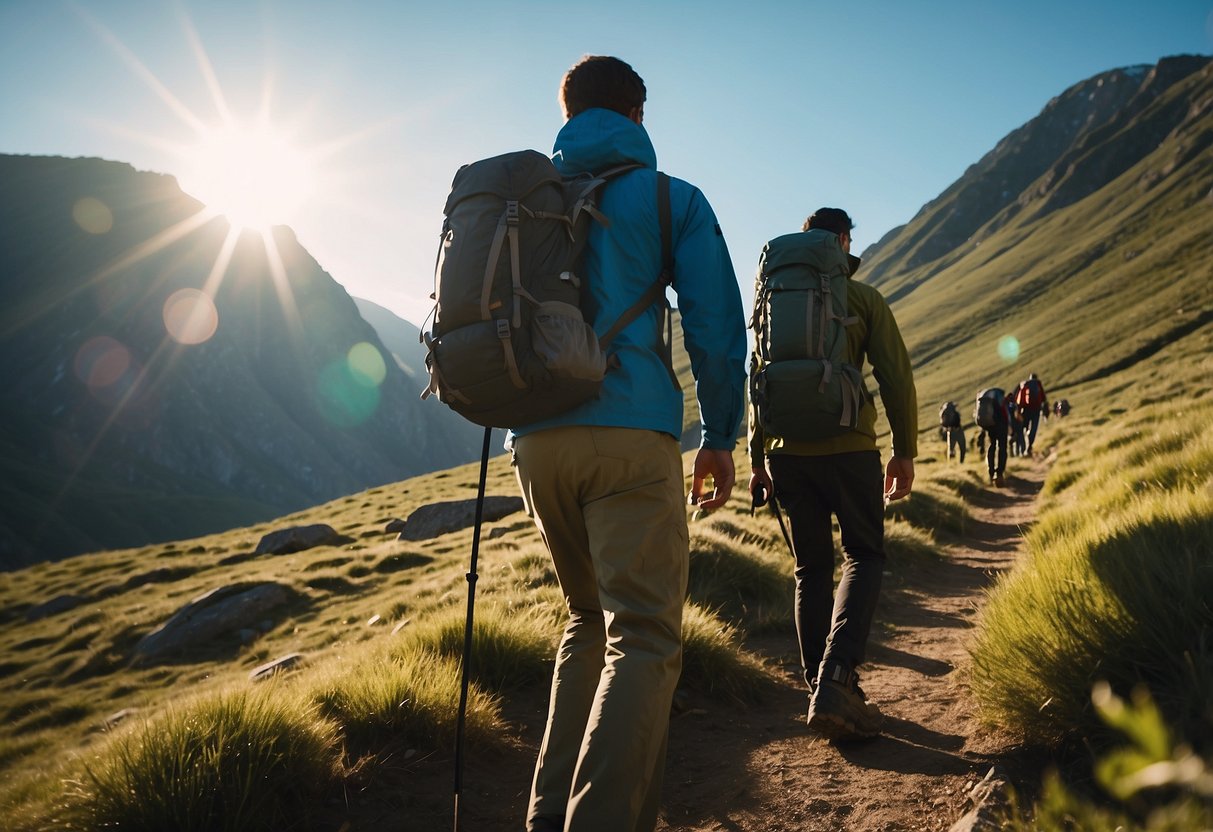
609,504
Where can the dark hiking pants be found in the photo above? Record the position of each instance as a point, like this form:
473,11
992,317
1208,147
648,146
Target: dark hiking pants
833,625
996,452
1031,421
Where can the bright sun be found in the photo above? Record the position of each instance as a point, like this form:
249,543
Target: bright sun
253,176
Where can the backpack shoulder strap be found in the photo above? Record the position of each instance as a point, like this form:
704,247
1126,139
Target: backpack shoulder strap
656,292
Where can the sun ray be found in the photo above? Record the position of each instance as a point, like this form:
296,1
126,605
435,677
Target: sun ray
36,308
282,286
146,75
154,244
222,260
206,68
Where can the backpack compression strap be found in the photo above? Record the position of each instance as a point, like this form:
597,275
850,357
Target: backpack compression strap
656,292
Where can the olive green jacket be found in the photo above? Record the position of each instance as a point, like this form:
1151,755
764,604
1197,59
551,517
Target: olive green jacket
876,338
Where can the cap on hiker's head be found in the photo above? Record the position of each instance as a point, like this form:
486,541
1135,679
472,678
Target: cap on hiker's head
830,219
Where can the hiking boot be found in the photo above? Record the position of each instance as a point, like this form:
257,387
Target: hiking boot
998,481
840,711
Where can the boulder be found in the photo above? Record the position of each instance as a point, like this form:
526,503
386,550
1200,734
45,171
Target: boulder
394,526
436,519
209,616
299,538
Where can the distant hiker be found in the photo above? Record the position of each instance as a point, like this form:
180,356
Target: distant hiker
1061,407
604,481
1017,435
813,440
949,423
1031,401
992,415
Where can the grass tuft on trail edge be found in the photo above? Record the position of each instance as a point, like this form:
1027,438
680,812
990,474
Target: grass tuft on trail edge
230,762
713,661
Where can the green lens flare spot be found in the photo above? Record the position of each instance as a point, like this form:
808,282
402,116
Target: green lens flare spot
366,364
345,400
1008,348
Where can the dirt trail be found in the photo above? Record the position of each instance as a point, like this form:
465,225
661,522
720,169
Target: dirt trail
744,770
763,769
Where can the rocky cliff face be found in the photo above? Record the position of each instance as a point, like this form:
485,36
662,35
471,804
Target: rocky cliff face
161,377
1082,139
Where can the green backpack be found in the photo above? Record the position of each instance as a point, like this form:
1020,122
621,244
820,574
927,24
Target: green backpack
509,344
802,381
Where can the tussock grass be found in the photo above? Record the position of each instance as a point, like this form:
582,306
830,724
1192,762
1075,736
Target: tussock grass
905,543
387,698
510,649
236,761
1116,586
713,661
744,583
932,506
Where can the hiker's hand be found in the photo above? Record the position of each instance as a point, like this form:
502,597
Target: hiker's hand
760,480
718,464
898,477
761,488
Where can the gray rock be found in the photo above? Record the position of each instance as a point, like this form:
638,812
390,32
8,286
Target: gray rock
287,662
436,519
988,801
210,615
56,605
299,538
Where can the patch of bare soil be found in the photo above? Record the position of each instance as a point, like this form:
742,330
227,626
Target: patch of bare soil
733,769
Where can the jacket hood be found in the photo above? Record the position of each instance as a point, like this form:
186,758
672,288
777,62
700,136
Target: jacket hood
597,139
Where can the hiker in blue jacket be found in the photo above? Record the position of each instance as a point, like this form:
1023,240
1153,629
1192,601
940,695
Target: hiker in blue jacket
605,481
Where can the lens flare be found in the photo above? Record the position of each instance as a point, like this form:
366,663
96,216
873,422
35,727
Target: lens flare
190,317
366,364
344,398
1008,348
102,362
93,215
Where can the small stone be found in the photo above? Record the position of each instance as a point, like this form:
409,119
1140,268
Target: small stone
287,662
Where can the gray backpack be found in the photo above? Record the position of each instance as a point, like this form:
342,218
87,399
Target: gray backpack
509,344
801,379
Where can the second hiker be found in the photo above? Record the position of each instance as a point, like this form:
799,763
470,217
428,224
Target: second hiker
813,441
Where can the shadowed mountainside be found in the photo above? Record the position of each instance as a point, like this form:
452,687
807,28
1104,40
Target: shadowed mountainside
115,434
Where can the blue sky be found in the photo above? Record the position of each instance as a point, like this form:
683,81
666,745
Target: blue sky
771,108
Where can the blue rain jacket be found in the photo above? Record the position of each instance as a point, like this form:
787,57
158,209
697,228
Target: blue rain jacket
622,263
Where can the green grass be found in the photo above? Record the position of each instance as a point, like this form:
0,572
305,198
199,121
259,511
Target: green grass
1116,586
386,700
713,661
510,648
236,761
744,583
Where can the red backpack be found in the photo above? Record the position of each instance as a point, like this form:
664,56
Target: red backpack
1030,395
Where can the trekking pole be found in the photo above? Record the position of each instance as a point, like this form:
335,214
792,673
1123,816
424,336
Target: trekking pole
467,633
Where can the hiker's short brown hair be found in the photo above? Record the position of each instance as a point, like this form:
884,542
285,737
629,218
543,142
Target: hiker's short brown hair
831,219
601,81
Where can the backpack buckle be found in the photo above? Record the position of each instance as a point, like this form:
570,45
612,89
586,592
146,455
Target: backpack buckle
511,212
503,329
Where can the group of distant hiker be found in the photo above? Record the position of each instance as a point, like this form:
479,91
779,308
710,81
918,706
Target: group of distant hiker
595,412
1006,422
